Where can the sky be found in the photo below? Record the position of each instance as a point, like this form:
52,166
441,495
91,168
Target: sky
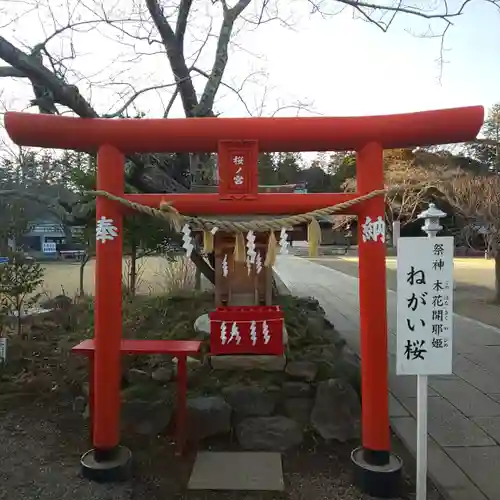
337,66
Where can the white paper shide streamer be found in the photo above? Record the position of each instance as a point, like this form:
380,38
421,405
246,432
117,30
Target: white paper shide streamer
187,238
251,253
253,332
223,332
235,334
225,267
258,263
265,332
283,243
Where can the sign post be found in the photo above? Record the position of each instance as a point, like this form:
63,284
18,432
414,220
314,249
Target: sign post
424,319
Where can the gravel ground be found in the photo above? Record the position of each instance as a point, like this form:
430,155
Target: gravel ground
42,442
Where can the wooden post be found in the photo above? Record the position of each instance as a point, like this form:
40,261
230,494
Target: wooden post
373,312
108,304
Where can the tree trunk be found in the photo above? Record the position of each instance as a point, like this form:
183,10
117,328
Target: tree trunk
497,276
197,283
83,263
133,266
197,259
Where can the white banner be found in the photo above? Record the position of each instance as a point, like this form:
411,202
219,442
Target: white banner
425,306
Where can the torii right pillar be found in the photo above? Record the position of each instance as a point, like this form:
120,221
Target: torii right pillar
377,470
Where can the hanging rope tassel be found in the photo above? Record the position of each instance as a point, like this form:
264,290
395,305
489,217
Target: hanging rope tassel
313,237
271,250
208,241
239,248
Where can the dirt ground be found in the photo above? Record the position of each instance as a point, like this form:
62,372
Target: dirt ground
42,443
64,277
474,284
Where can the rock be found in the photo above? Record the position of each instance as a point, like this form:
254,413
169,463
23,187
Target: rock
266,363
312,304
79,404
160,360
337,411
338,363
58,302
315,326
293,389
348,367
157,419
328,324
146,417
86,388
208,416
136,376
269,433
202,325
248,401
162,374
192,363
305,370
285,335
298,409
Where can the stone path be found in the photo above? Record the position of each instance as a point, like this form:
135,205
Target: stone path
239,471
464,408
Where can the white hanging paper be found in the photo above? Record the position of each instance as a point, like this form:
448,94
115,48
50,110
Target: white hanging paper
258,263
253,332
187,238
283,243
251,253
225,267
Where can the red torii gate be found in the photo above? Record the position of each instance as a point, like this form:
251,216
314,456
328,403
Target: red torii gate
368,136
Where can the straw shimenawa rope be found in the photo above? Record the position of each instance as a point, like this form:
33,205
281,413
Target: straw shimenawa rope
170,214
209,226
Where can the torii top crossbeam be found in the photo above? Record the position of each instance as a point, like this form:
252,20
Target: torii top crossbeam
273,134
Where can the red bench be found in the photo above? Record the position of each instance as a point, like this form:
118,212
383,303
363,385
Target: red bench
179,349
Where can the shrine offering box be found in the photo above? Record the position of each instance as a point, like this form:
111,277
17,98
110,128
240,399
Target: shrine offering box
247,330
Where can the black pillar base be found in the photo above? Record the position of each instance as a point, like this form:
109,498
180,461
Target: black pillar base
382,480
107,466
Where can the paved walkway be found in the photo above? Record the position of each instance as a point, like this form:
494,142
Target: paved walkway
464,408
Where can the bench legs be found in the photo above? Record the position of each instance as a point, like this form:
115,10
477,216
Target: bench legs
181,411
91,402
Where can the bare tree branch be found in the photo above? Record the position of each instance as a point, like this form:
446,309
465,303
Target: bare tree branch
8,71
65,94
175,57
182,18
221,55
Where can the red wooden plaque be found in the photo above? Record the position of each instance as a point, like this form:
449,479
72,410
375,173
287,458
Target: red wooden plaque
246,330
238,172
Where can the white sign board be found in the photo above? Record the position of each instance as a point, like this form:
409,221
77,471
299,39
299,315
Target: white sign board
425,306
3,349
49,247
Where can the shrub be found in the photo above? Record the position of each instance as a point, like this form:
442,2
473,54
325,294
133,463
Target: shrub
178,275
19,280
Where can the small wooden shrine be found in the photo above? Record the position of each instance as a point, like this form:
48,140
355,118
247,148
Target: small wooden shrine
247,282
243,263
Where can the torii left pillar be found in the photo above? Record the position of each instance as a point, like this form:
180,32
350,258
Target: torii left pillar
107,460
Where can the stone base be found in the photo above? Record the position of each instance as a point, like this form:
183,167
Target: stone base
248,362
240,471
115,467
380,481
